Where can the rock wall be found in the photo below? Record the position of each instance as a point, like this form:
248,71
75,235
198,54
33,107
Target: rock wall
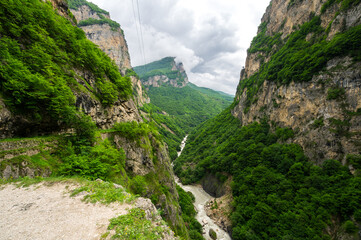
326,128
112,41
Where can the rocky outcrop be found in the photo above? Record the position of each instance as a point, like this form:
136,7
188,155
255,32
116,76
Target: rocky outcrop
148,157
325,126
106,117
213,186
15,157
180,81
163,72
219,208
62,7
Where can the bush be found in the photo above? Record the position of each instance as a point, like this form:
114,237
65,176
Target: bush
138,185
92,163
335,93
350,227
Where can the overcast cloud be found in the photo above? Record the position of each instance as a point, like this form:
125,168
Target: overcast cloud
210,37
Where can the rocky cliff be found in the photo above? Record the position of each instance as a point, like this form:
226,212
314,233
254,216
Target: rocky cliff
108,35
322,106
163,72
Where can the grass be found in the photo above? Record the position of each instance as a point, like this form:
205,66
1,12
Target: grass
134,225
98,191
103,192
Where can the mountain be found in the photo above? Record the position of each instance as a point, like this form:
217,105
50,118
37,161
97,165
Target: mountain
70,110
176,105
163,72
290,142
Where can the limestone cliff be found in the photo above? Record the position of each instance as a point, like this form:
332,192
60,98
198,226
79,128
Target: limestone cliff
108,35
324,110
163,72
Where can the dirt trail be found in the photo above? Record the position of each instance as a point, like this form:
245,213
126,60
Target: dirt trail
48,212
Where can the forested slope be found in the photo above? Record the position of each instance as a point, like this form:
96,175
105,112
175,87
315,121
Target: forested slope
290,141
178,109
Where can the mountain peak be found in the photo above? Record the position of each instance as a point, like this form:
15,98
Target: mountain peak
163,72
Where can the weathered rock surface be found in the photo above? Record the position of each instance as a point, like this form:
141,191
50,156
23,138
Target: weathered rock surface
219,209
112,41
15,161
325,128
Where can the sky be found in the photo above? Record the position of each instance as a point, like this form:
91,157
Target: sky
210,37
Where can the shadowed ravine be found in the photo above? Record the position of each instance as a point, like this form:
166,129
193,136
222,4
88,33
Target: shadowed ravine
201,199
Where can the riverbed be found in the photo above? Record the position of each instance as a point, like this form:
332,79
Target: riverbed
201,198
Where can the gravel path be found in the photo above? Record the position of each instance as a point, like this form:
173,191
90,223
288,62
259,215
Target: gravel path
46,211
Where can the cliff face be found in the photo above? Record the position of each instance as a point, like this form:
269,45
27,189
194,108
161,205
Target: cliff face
110,38
323,112
163,72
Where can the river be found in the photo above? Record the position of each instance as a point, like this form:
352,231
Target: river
201,199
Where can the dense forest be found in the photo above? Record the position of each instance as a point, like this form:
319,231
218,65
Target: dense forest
278,192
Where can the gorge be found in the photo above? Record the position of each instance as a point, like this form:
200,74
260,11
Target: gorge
280,160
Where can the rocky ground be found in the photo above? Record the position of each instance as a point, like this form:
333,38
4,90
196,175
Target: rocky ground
46,211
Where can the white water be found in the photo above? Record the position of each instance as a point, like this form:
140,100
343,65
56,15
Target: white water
183,144
201,199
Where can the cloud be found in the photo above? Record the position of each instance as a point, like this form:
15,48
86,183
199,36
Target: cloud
210,37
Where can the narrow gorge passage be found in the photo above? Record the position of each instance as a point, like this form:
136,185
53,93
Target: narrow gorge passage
201,200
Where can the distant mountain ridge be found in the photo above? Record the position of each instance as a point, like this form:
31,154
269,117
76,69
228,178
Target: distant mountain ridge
163,72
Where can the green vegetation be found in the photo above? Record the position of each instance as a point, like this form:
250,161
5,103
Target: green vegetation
299,59
278,193
134,130
176,111
91,21
262,42
187,108
134,225
103,192
46,64
186,200
100,161
161,67
318,123
345,4
75,4
39,56
168,126
335,93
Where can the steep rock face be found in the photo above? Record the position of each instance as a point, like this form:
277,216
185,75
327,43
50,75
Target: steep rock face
112,41
325,126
